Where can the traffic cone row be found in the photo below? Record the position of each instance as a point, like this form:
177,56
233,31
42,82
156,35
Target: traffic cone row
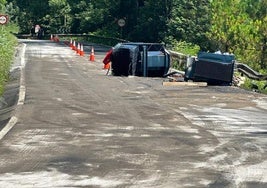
73,46
78,49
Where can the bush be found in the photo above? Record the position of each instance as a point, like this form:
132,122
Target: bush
258,86
7,45
188,49
182,47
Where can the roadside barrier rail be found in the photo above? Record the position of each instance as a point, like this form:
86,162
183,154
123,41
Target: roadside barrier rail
178,60
111,41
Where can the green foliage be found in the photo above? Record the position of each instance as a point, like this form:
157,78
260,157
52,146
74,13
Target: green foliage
236,26
258,86
2,3
183,47
239,27
27,13
91,16
58,19
150,24
189,21
7,44
12,12
247,84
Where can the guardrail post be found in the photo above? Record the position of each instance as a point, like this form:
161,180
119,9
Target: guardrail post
189,61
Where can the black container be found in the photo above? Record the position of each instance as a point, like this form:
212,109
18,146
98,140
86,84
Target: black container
215,69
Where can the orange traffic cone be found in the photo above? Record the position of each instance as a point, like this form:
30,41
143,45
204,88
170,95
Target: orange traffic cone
56,38
78,48
74,46
71,43
106,66
92,55
81,51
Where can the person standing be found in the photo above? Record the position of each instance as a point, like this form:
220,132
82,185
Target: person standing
32,32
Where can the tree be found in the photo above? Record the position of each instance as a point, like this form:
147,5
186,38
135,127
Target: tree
240,27
30,13
257,11
93,16
150,22
7,45
58,19
189,20
2,4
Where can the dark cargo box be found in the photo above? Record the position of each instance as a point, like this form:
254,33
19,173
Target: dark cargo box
212,68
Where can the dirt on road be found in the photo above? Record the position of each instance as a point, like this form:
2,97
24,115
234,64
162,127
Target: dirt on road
78,127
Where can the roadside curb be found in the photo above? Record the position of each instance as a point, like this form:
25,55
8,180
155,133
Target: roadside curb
22,93
22,88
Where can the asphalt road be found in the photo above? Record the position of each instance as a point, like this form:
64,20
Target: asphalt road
74,126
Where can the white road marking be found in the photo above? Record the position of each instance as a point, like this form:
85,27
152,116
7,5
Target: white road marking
8,127
22,91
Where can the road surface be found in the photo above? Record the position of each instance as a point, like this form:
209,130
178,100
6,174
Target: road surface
74,126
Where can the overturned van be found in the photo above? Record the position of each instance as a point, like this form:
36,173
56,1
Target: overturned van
140,59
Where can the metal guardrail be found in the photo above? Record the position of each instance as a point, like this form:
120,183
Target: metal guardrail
86,37
178,60
249,72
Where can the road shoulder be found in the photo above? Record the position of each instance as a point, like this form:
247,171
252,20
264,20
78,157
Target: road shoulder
14,93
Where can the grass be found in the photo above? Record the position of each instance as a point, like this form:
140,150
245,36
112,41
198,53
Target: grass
254,85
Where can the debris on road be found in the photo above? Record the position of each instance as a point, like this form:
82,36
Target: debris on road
200,84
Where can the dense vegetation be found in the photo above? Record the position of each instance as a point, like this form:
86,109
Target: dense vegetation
7,44
235,26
